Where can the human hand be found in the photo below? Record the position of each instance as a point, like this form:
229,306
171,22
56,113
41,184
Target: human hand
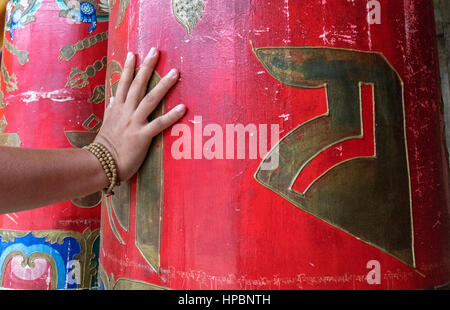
126,131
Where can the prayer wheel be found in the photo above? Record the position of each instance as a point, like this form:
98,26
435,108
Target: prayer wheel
311,157
52,95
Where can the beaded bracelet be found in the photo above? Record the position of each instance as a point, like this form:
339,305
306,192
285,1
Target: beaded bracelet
108,164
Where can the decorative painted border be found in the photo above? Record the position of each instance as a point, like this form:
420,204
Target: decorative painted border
73,256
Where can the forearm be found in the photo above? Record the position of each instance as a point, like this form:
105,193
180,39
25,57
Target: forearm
32,178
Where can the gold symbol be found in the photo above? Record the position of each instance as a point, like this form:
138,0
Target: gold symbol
98,95
10,80
79,78
149,189
22,56
122,9
79,139
188,12
68,51
125,283
8,139
367,197
2,103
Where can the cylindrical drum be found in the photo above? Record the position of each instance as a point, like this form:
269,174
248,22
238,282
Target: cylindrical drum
52,91
311,156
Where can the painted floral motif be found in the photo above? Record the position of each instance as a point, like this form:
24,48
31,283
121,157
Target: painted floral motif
48,259
20,13
85,11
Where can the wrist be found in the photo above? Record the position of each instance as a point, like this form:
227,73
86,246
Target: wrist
108,164
99,180
105,141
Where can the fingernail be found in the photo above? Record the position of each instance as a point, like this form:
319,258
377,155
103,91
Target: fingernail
130,56
173,73
152,52
111,100
180,108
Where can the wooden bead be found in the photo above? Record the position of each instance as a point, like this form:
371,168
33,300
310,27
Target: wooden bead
108,164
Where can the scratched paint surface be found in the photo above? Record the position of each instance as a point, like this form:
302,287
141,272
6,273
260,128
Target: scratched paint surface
221,229
40,106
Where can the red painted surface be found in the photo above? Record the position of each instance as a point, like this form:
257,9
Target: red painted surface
43,107
221,228
40,110
363,147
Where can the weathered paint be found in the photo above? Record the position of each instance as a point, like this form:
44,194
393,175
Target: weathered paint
55,247
220,228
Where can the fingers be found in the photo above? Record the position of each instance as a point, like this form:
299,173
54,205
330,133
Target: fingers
132,89
151,101
109,108
126,79
139,85
165,121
